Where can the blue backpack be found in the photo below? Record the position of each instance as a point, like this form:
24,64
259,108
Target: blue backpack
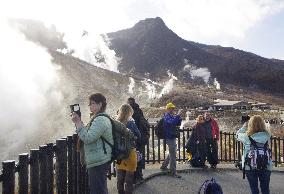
211,187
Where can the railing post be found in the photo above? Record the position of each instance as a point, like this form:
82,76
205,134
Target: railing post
50,169
8,177
279,151
153,146
42,169
275,151
230,154
79,180
75,164
61,166
23,173
70,167
221,146
34,168
225,134
183,145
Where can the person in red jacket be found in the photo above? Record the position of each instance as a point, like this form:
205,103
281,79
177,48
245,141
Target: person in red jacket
212,138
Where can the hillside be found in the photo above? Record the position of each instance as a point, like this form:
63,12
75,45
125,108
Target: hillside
150,46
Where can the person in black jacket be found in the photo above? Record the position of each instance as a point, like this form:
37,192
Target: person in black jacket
144,129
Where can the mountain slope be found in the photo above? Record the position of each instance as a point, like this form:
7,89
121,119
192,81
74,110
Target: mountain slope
150,46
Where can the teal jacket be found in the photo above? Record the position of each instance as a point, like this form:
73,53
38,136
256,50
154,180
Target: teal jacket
260,137
93,145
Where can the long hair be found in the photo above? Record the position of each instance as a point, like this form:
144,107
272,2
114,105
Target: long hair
124,113
256,124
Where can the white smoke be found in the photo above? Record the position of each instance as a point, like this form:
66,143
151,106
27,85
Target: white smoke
194,72
217,84
131,85
93,48
28,82
168,86
151,88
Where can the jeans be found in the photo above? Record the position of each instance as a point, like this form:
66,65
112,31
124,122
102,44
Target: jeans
264,179
212,151
98,179
141,163
125,181
171,158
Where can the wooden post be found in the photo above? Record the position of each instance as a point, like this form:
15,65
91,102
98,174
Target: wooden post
70,167
153,146
8,186
275,151
79,179
74,160
50,170
61,166
23,173
42,169
34,168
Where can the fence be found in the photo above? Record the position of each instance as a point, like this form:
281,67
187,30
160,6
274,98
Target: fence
230,150
56,168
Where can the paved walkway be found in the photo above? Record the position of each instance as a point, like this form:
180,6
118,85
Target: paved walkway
227,175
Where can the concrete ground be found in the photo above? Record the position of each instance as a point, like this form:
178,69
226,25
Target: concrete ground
226,175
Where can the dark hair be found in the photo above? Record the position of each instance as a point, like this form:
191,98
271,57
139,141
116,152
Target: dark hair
245,118
131,100
99,98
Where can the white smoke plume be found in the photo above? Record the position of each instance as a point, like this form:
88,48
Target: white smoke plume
168,86
151,88
194,72
28,82
217,84
131,85
93,48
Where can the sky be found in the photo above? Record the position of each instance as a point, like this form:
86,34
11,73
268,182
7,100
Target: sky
252,25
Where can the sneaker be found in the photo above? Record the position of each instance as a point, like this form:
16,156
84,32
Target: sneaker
175,176
138,179
205,166
213,166
164,168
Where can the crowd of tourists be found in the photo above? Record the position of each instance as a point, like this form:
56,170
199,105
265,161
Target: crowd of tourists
97,140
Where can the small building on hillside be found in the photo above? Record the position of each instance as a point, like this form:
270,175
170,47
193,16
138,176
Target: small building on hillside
231,105
261,105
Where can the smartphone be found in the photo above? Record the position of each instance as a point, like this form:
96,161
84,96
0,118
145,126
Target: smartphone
75,108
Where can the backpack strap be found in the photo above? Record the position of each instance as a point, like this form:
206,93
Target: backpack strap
102,137
252,141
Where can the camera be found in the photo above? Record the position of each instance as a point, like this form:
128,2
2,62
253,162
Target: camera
75,108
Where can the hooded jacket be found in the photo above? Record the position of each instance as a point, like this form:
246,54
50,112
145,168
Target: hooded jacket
260,137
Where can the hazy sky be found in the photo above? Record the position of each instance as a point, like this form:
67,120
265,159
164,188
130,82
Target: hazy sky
251,25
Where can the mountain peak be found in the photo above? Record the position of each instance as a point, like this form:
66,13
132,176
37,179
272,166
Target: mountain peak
150,23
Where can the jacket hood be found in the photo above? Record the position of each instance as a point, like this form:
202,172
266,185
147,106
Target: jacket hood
261,137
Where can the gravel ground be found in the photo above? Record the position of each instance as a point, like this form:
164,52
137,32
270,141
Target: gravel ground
226,175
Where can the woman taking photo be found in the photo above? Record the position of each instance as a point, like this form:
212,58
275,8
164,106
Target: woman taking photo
127,167
255,133
96,159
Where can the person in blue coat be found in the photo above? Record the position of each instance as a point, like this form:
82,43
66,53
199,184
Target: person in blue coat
257,130
170,122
